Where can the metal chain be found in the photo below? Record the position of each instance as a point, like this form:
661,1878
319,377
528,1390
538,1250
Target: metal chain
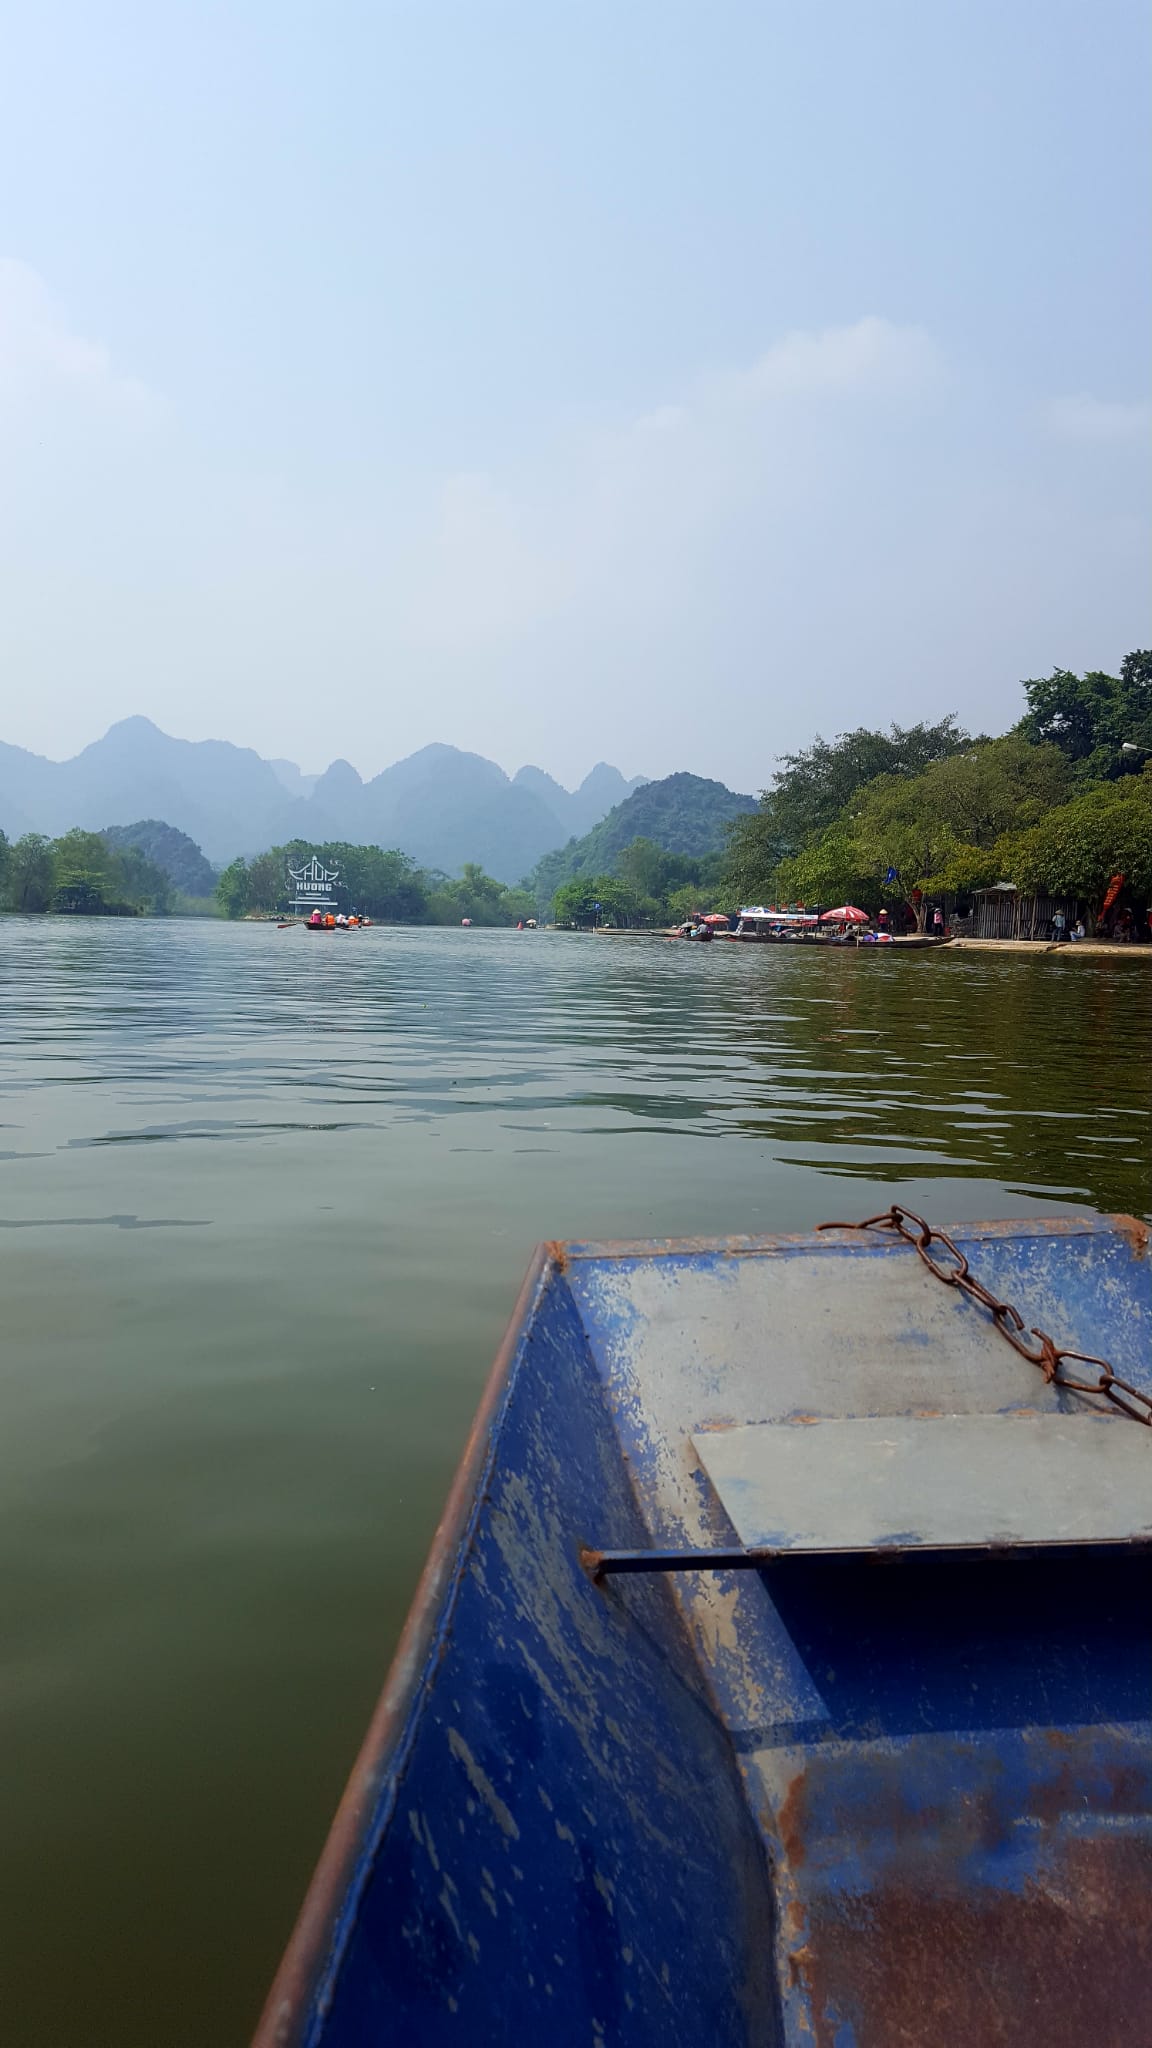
1050,1357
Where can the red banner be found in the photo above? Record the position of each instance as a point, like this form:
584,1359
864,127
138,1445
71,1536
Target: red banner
1114,888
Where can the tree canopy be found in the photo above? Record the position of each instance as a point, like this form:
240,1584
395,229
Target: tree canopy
376,881
80,872
814,787
876,816
1076,849
934,832
1091,717
599,899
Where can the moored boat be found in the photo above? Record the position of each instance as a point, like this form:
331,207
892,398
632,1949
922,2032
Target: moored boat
780,1672
756,925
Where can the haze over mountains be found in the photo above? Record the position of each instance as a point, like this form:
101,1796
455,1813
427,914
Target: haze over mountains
441,806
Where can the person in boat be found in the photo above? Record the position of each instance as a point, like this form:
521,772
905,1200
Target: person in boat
315,918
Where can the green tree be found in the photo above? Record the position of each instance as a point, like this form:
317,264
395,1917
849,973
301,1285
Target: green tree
232,889
383,883
480,898
1090,717
692,897
834,869
138,881
816,785
647,868
267,884
380,882
86,872
932,832
999,786
31,873
1077,849
599,899
655,874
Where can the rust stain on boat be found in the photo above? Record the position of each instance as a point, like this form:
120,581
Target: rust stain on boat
914,1950
1064,1961
1136,1233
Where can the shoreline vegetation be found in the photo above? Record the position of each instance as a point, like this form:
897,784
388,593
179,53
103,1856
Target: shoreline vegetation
1060,806
900,820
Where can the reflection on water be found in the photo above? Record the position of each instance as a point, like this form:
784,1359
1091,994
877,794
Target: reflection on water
264,1205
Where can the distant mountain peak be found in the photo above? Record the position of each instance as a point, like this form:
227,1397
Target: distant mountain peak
339,774
135,722
443,804
539,779
289,775
129,736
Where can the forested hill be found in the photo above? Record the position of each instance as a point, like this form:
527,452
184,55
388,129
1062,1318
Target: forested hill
684,814
171,851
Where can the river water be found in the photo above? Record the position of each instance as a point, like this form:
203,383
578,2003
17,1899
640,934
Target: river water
265,1204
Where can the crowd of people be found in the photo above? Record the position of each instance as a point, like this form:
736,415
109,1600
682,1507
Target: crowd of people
332,920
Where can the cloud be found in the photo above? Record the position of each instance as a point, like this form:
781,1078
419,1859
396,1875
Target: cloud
867,360
41,357
872,357
631,520
1099,420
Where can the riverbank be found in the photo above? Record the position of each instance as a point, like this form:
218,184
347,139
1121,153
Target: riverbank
1095,949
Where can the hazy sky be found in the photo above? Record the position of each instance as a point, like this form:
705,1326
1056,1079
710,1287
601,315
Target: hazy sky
653,381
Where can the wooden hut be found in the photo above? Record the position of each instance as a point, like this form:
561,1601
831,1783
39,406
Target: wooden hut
1003,912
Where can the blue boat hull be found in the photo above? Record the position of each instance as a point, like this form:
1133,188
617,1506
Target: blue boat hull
838,1801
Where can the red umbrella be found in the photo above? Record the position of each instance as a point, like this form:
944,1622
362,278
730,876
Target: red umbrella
847,914
715,917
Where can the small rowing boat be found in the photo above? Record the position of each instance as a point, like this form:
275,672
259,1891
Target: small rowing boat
781,1671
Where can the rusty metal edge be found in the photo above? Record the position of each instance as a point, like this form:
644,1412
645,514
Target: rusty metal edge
312,1950
1090,1224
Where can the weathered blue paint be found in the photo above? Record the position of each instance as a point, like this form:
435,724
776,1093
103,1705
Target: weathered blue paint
834,1801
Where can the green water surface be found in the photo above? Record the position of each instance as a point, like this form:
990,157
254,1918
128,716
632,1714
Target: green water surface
266,1201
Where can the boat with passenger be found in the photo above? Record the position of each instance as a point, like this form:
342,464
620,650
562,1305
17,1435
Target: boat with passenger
780,1670
334,921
